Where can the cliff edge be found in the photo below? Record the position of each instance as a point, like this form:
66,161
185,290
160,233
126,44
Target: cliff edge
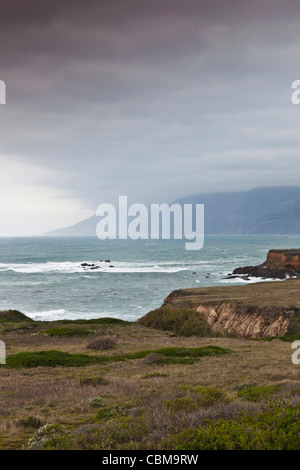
259,310
279,264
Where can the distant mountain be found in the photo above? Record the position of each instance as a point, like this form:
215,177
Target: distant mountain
271,210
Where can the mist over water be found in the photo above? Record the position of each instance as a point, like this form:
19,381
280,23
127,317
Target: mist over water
44,277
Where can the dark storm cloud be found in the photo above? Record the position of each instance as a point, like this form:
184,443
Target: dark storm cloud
152,99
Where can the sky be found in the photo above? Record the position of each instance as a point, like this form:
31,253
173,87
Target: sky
154,100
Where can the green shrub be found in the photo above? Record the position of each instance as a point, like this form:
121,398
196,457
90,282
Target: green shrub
46,433
67,332
208,396
257,393
181,404
14,316
180,355
108,413
53,358
102,344
277,428
31,422
96,401
154,358
116,435
193,352
183,321
195,397
50,358
98,321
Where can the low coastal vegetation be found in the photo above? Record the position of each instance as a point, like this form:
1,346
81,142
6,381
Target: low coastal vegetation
155,384
182,321
55,358
63,332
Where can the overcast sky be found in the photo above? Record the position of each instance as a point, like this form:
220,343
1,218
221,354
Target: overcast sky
150,99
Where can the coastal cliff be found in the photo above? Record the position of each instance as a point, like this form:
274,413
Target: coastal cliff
260,310
279,264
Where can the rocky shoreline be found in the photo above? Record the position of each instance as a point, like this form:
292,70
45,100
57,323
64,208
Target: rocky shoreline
280,264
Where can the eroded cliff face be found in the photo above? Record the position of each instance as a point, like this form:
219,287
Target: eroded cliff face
247,321
283,258
258,310
279,264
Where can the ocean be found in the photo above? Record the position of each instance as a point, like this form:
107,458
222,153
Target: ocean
44,278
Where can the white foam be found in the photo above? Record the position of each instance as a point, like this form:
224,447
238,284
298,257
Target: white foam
76,267
250,280
57,314
61,314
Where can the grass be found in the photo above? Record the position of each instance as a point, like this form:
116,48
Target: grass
183,321
154,391
274,427
97,321
64,332
101,344
285,338
262,294
93,381
14,316
277,428
50,358
256,393
53,358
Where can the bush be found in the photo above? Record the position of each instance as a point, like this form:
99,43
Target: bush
154,358
208,396
46,433
108,413
193,352
55,358
50,358
181,404
96,401
67,332
102,344
196,397
183,321
98,321
277,428
180,355
31,422
14,316
115,435
256,393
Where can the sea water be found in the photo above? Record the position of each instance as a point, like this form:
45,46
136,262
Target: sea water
44,278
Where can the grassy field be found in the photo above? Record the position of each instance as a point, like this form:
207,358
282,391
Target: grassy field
284,294
109,384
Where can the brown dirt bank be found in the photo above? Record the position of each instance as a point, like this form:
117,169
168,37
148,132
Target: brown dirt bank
258,310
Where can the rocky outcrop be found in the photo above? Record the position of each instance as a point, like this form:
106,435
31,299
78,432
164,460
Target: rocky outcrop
247,322
258,310
92,266
279,264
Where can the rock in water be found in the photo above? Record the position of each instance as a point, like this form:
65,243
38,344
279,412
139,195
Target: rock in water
278,265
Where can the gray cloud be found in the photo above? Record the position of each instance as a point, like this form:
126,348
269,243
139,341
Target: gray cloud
155,100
